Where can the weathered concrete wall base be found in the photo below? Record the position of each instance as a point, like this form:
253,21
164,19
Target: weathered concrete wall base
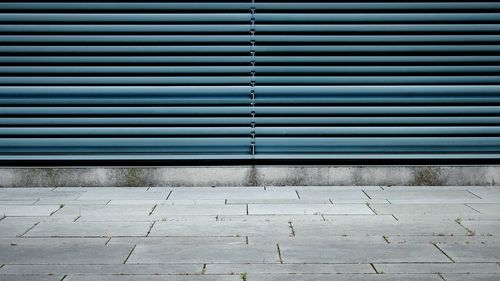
250,176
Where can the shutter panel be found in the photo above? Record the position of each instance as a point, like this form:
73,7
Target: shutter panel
358,80
249,79
88,80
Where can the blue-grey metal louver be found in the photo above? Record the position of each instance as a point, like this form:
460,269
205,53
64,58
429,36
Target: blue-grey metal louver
249,79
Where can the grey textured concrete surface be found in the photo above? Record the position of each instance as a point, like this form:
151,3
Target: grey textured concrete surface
250,176
298,233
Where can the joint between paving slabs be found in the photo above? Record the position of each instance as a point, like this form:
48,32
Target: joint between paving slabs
474,194
279,253
375,269
60,207
204,269
291,229
29,229
368,205
168,196
437,247
441,276
469,231
366,194
386,239
150,228
129,254
153,209
472,208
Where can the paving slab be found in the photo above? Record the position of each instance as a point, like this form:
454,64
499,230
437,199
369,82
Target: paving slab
472,253
38,193
360,251
475,240
308,209
422,196
16,226
88,229
18,202
374,225
62,252
221,228
220,252
153,277
483,227
343,277
10,277
487,209
428,210
427,268
66,202
28,210
199,210
289,268
100,269
246,194
471,277
107,212
124,194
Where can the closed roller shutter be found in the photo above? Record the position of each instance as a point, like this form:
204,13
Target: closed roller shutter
125,80
249,80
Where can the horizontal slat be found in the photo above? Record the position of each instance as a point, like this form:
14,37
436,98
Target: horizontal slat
138,131
374,145
357,48
143,38
469,69
218,60
399,120
338,99
125,28
125,90
372,38
378,17
132,121
130,17
246,69
110,101
124,145
375,131
221,111
234,6
244,38
235,80
123,6
377,80
133,69
125,80
357,28
124,49
376,90
376,110
372,59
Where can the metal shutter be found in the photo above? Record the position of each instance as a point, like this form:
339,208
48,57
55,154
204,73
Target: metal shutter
249,80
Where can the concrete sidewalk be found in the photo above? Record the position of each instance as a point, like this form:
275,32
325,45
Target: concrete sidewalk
253,234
